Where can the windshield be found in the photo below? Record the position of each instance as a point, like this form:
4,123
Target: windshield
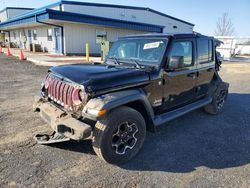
144,51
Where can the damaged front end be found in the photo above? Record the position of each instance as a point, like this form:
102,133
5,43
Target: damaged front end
69,96
62,122
60,104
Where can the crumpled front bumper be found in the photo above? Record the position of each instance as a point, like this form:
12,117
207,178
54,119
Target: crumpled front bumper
60,121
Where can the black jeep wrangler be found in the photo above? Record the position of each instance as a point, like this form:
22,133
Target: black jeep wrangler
145,81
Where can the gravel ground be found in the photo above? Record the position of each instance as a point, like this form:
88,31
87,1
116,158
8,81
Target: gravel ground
196,150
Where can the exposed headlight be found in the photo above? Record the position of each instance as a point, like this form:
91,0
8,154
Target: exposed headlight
79,96
83,96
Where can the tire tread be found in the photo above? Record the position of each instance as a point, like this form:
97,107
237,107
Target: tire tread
102,127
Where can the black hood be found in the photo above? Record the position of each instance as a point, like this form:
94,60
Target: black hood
98,77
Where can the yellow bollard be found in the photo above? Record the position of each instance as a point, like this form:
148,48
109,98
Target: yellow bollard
87,51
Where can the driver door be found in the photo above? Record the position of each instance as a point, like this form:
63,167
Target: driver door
180,74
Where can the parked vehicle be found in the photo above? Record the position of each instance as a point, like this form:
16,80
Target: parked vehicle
146,81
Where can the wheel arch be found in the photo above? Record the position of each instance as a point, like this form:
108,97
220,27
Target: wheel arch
140,106
134,98
217,83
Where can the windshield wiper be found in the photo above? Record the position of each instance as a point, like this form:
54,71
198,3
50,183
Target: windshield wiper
136,63
112,58
116,61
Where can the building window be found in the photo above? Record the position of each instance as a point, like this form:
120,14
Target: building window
205,51
49,34
34,35
101,36
14,34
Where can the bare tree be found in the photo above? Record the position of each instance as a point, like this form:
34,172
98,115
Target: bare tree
224,26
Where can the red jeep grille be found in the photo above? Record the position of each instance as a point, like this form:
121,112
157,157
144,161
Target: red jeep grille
59,91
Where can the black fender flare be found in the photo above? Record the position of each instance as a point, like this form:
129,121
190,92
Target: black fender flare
115,99
217,83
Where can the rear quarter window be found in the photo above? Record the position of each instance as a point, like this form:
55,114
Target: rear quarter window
205,50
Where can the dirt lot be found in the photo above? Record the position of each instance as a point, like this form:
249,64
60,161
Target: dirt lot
197,150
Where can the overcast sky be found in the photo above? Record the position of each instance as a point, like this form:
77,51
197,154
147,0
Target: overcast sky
204,14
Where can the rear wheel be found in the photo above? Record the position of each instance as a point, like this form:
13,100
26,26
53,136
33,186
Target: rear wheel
217,105
119,136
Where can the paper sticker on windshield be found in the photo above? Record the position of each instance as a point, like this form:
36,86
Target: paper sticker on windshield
151,45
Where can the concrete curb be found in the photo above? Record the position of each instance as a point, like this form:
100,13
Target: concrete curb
39,62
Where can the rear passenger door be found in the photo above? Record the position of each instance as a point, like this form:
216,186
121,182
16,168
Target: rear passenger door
205,65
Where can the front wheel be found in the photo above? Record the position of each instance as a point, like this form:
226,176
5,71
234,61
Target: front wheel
119,136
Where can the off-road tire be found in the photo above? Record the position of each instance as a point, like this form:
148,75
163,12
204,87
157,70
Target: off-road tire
215,107
106,129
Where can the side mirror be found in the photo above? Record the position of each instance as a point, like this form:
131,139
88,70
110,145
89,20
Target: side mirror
175,62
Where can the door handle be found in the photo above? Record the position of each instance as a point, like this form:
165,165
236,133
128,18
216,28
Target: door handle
210,69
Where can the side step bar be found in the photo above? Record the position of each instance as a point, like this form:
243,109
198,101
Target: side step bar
168,116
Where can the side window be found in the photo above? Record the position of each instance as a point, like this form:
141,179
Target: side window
49,34
205,51
181,54
34,35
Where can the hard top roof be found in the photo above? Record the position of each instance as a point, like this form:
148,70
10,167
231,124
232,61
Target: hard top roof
167,35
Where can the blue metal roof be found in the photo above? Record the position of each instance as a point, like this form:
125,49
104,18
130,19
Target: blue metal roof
96,20
35,11
166,35
82,18
125,7
45,14
24,18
